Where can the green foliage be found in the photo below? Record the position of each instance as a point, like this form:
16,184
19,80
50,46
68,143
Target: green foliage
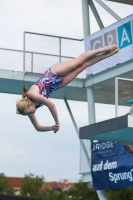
52,195
123,194
32,186
82,191
5,186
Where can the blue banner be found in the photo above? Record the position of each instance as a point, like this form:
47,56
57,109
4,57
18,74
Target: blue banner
112,165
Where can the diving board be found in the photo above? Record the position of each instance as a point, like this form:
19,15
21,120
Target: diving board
118,129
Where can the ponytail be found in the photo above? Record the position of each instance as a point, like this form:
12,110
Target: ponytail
23,103
24,91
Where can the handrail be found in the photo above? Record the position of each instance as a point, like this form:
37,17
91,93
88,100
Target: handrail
33,52
53,36
62,52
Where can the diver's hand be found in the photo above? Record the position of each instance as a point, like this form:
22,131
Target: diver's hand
55,128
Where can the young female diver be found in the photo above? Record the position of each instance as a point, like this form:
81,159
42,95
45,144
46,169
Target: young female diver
57,76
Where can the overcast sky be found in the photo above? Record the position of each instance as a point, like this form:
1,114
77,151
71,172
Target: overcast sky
23,149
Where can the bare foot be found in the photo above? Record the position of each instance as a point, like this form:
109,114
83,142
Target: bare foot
110,53
111,47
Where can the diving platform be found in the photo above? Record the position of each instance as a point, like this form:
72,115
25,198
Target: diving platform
11,82
119,129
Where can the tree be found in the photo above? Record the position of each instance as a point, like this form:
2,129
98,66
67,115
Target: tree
5,186
52,195
122,193
82,191
32,186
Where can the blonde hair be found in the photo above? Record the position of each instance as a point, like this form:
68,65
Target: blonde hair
23,103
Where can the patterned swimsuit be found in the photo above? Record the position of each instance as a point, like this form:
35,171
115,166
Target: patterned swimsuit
48,83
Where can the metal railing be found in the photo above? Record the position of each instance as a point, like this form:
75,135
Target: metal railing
9,56
11,59
42,51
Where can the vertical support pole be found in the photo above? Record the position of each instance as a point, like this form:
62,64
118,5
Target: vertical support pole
92,119
91,105
91,110
31,62
86,27
59,49
86,20
116,97
101,194
23,55
90,96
